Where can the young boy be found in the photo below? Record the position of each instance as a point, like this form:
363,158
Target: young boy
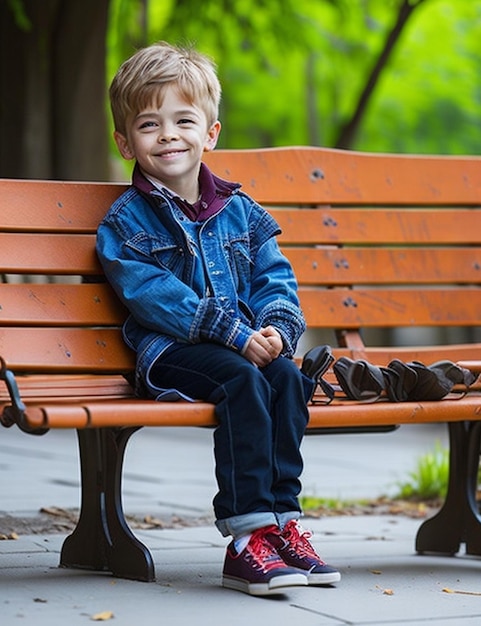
214,311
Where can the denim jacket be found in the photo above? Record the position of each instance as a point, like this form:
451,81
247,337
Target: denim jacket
187,281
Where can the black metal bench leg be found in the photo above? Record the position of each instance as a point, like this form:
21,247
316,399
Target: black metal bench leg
86,547
472,535
102,539
458,520
127,556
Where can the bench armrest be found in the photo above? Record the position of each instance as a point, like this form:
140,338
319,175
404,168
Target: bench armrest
14,413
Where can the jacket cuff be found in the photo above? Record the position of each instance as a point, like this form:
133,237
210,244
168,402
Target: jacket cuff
288,319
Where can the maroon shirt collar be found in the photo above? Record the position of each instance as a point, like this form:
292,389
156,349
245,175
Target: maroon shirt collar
213,193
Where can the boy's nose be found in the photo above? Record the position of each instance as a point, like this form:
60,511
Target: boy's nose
167,138
168,134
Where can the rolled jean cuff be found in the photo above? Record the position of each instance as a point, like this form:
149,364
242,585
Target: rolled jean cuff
285,518
240,525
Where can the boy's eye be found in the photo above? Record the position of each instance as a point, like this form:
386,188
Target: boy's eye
186,120
147,124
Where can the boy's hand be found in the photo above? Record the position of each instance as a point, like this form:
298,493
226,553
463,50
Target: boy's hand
274,338
264,346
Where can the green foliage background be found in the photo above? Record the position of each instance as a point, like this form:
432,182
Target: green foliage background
292,70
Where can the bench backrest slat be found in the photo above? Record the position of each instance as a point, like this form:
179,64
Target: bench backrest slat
22,253
58,253
59,305
60,350
386,225
379,266
50,206
319,175
371,308
64,305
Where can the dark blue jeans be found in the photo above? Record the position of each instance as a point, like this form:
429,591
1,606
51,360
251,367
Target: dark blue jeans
262,416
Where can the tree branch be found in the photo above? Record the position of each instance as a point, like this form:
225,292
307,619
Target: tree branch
349,130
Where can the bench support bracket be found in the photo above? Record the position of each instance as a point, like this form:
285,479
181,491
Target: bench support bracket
458,521
102,539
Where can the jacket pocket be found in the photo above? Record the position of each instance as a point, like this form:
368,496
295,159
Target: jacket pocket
240,264
164,250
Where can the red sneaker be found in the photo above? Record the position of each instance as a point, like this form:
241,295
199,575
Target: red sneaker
258,570
293,546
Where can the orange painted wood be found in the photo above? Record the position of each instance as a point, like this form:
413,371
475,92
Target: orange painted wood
67,415
388,265
62,350
60,305
50,254
371,226
272,175
96,304
54,206
465,354
58,387
349,308
341,413
338,176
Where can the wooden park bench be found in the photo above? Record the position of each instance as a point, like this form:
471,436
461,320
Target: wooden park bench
381,244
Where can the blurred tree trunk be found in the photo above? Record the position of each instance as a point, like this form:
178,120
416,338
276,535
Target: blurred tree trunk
52,85
348,131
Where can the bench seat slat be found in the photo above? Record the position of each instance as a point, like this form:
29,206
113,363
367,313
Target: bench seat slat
37,388
340,413
41,388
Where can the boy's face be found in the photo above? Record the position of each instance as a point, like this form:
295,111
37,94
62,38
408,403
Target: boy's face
168,142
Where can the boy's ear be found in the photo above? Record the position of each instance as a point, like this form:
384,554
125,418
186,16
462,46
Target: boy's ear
123,146
212,136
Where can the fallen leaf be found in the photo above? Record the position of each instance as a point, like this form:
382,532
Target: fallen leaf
466,593
102,617
153,521
376,538
386,592
375,571
7,537
57,511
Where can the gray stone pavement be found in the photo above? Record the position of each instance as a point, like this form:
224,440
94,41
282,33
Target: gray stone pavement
170,472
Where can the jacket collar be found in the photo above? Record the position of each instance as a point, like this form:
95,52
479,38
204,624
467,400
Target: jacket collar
214,192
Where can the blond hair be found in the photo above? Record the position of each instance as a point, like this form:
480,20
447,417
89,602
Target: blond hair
141,81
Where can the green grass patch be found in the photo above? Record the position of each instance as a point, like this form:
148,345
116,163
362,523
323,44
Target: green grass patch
427,482
313,503
429,479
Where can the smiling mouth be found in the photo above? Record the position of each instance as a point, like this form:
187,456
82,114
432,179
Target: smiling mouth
170,153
